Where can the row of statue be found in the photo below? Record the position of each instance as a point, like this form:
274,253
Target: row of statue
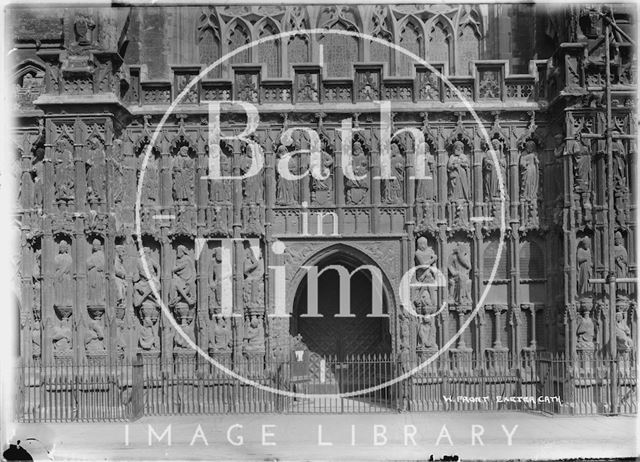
321,191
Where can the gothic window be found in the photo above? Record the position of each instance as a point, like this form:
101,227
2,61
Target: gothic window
438,48
239,35
298,45
209,41
381,29
340,51
467,49
411,39
269,51
489,260
531,261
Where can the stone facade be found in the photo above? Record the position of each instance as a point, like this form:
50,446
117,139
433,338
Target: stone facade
92,87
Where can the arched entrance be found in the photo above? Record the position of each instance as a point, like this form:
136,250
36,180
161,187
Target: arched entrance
335,336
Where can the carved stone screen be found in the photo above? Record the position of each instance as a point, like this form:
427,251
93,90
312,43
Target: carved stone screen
144,233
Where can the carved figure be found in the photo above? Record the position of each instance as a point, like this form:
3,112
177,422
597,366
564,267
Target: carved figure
394,189
220,335
427,335
356,190
621,256
254,336
120,273
183,282
253,287
221,189
425,188
458,168
490,171
585,267
581,151
62,278
61,337
96,280
425,256
63,171
285,189
530,175
623,333
253,185
96,171
585,331
144,301
459,269
150,184
94,336
322,189
183,180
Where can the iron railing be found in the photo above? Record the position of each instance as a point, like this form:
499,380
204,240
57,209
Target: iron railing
109,389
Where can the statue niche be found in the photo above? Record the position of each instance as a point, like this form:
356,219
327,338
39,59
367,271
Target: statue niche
529,182
427,297
94,335
580,150
585,331
221,190
426,188
285,189
145,302
357,187
63,285
253,285
219,336
393,189
183,176
151,182
96,281
322,189
253,186
458,170
182,295
585,269
459,268
490,169
64,174
96,172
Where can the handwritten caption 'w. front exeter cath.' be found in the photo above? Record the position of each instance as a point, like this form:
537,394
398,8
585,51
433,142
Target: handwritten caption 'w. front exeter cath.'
319,172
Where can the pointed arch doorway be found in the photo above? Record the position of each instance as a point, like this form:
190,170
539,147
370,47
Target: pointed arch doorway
341,337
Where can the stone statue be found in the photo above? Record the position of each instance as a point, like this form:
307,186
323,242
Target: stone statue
285,189
150,184
394,189
145,303
623,333
427,335
38,185
357,190
585,331
183,281
459,268
253,286
581,151
188,328
425,256
619,163
64,172
322,190
585,267
221,189
530,176
620,255
426,188
120,273
62,278
94,336
490,171
215,281
61,337
183,176
220,335
117,179
458,168
96,171
253,186
36,282
254,337
96,281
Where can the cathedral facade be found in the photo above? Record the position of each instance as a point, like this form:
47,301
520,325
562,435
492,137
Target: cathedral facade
522,238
